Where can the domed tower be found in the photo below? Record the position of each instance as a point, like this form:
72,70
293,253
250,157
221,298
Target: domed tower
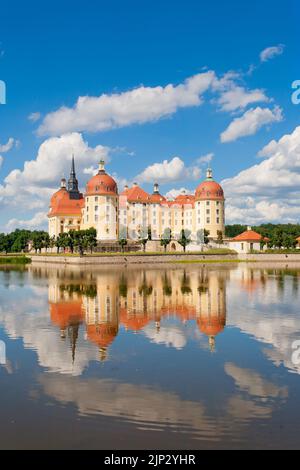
101,205
210,207
65,212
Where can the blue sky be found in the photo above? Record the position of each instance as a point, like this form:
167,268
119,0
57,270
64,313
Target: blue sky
176,75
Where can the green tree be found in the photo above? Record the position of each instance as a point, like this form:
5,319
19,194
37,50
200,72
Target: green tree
90,238
220,239
206,237
262,244
288,241
277,238
144,238
166,238
123,242
184,239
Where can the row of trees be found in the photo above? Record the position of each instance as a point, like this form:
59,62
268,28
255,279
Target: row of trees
19,241
266,230
280,239
76,240
280,236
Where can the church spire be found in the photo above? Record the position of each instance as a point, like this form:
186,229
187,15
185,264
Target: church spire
73,182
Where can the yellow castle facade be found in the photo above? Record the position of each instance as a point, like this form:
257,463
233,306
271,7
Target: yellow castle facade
133,213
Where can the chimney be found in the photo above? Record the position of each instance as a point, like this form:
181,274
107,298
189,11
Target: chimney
249,228
125,187
63,183
135,184
156,188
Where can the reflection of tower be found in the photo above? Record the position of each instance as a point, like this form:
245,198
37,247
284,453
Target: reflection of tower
212,307
103,336
73,331
102,313
65,311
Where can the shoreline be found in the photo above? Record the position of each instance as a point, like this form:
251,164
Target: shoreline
187,258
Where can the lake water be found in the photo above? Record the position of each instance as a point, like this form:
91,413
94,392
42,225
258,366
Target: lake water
180,356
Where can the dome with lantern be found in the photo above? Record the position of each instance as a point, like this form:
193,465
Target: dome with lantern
209,189
101,184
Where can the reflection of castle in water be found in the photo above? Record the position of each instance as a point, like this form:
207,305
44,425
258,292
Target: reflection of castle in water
103,302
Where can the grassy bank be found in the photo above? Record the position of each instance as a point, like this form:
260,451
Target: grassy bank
14,260
217,251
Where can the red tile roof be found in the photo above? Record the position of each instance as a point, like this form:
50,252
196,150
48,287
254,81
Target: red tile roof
101,184
136,194
209,190
62,205
249,236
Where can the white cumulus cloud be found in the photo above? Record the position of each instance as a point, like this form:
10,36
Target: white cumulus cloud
30,187
39,220
250,123
270,190
205,159
168,171
271,52
140,105
34,117
238,98
8,146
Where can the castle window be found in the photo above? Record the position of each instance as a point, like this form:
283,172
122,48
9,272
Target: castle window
199,220
218,220
96,199
87,218
218,212
207,211
96,208
208,203
208,220
96,218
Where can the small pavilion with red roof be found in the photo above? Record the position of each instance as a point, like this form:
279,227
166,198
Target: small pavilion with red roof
248,241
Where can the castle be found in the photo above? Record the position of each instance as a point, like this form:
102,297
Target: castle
133,213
